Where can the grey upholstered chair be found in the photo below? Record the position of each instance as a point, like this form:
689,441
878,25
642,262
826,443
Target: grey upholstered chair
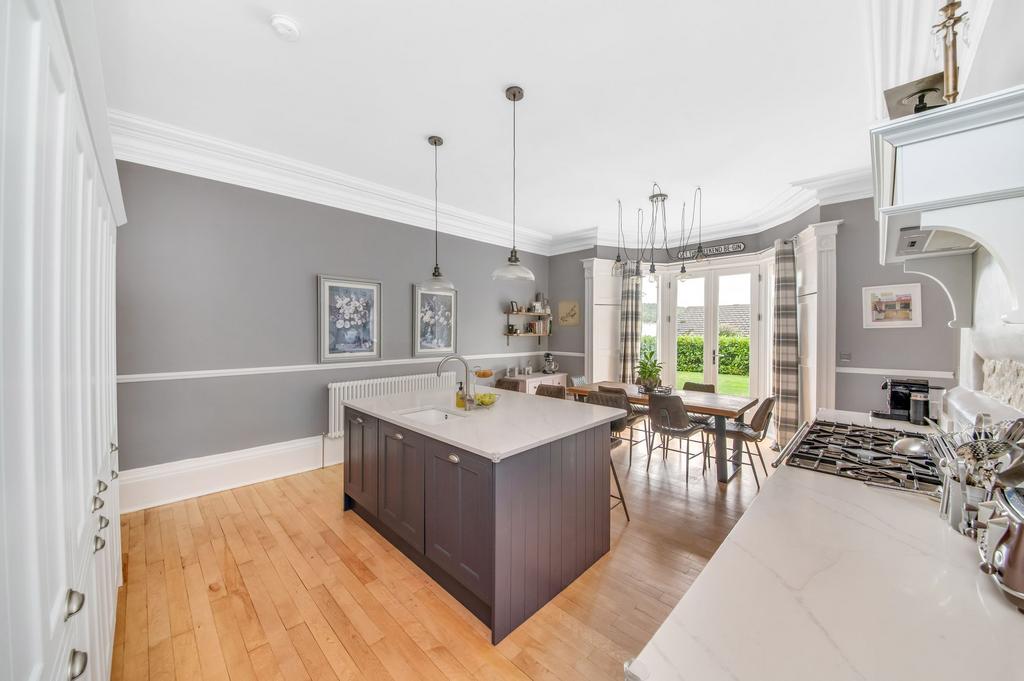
577,381
615,401
754,432
703,419
507,384
545,390
670,420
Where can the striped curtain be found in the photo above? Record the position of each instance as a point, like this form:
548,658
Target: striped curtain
629,325
785,345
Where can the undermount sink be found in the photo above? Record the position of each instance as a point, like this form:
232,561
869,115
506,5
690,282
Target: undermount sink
431,416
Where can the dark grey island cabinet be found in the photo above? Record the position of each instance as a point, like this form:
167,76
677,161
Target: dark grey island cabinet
503,537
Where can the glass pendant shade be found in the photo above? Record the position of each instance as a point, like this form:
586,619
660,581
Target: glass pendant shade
437,282
513,270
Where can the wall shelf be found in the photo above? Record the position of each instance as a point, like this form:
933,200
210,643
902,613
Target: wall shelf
526,313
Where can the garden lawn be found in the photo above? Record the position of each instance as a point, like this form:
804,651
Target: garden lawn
727,385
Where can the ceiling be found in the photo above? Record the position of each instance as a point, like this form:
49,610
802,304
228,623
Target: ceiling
742,97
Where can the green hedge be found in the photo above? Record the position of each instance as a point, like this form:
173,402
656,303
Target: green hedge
733,353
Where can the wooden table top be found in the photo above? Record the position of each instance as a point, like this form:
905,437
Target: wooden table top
712,404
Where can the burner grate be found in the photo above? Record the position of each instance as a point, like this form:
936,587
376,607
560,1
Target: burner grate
863,453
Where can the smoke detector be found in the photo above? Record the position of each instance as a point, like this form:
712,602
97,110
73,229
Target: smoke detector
285,27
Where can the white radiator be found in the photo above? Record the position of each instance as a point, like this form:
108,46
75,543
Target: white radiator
375,387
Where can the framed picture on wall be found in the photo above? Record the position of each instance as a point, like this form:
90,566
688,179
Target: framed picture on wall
349,319
434,319
569,312
892,307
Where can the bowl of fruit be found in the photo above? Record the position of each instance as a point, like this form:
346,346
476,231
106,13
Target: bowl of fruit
486,399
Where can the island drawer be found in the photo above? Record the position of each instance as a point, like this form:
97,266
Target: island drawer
459,511
400,484
361,459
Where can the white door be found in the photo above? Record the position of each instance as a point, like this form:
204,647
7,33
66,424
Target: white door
715,329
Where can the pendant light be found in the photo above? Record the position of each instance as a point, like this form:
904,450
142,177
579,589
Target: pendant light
437,281
513,271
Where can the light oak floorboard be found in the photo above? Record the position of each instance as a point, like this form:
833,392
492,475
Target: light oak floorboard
274,581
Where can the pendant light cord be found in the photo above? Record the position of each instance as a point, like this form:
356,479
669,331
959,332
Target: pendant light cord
513,175
436,265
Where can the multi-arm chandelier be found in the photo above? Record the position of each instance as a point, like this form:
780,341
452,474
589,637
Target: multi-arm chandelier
647,238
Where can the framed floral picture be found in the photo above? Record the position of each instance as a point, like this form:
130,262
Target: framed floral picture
349,314
434,322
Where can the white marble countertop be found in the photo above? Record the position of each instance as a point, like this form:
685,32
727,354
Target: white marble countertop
517,423
825,578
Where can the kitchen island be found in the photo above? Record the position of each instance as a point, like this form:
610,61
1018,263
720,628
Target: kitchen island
503,506
828,578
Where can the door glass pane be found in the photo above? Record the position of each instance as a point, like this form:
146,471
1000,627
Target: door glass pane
690,331
649,316
734,334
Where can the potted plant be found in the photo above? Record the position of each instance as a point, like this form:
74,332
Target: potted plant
648,370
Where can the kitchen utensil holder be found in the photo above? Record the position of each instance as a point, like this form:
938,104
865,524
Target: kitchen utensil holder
952,503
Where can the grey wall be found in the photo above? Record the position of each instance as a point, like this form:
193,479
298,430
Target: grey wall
215,276
933,347
567,283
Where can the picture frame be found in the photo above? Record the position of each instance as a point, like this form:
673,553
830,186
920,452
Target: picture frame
513,307
897,306
434,322
568,313
348,318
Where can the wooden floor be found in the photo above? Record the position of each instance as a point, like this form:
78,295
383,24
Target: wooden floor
273,581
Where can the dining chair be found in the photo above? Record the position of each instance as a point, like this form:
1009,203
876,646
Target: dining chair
545,390
507,384
641,410
670,420
577,382
617,426
754,432
700,418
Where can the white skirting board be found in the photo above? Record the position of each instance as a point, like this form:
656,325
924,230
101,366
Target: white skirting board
169,482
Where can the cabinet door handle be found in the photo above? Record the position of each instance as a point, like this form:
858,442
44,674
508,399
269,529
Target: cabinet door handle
359,420
97,504
98,543
104,522
454,458
77,663
76,600
113,447
101,487
398,436
113,474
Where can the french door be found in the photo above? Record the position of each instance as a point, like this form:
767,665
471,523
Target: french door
710,329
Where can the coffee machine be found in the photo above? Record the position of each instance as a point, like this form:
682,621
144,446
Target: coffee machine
907,399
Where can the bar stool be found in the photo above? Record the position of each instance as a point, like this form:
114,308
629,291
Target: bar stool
639,411
616,401
670,420
507,384
753,433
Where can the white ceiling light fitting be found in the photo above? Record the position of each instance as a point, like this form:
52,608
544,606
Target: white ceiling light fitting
285,27
513,271
437,281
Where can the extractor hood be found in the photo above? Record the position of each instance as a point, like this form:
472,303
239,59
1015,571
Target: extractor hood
948,181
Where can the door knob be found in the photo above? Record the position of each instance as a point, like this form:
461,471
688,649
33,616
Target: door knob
113,447
97,504
101,487
104,522
76,665
113,474
398,436
359,419
454,458
76,600
98,543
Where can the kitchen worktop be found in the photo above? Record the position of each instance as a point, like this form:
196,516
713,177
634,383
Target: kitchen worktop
827,578
517,423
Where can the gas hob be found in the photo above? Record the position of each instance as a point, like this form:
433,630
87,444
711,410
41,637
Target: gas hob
862,453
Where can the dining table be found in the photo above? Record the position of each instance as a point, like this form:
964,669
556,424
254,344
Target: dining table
720,407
